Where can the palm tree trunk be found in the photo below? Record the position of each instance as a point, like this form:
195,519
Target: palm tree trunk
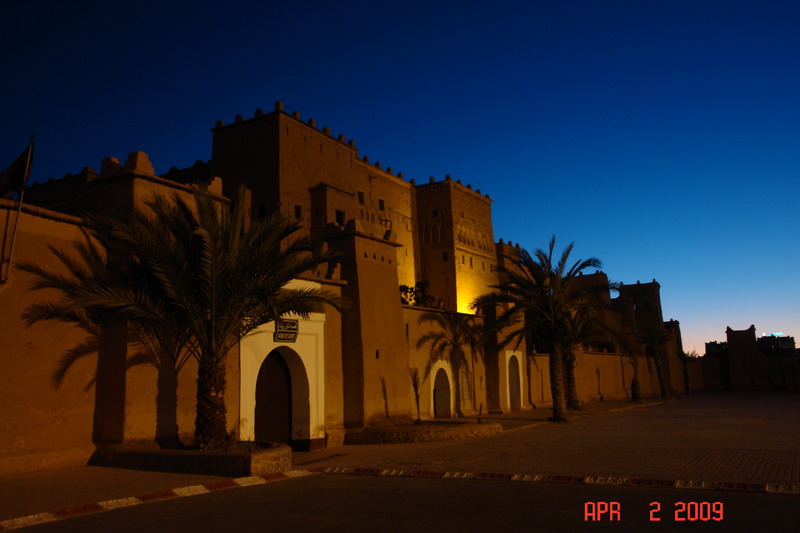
686,380
528,376
457,378
210,421
167,404
636,387
662,379
573,402
474,390
557,386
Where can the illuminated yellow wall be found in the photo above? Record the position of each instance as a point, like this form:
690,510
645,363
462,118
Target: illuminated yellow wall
472,379
456,242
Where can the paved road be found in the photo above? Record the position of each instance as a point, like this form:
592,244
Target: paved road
50,490
368,504
732,437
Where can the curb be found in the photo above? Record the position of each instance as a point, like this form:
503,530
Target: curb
418,434
181,492
225,484
781,488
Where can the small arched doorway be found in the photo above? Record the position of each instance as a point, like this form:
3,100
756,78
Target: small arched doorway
514,388
441,395
273,417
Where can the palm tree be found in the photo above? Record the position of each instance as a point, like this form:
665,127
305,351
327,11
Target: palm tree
477,342
539,297
207,282
454,334
224,282
686,357
652,338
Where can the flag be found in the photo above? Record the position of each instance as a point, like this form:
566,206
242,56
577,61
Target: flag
14,177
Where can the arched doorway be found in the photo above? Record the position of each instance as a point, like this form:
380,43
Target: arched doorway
514,388
273,417
441,395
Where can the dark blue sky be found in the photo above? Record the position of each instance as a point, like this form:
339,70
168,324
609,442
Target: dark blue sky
660,136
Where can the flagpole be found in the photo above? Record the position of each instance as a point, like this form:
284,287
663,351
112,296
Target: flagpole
19,210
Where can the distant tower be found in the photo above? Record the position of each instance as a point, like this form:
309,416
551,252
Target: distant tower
646,301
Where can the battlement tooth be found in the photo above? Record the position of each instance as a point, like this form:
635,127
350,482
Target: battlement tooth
110,167
139,163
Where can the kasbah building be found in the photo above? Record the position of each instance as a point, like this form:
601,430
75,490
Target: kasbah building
338,375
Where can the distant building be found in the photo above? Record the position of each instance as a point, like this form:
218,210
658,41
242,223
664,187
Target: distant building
747,362
715,348
776,346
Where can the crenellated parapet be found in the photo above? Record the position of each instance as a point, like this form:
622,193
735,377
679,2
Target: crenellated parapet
119,185
449,182
325,131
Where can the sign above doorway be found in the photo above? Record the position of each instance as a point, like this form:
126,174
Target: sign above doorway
286,330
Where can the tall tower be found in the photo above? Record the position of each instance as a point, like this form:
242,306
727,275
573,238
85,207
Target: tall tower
646,301
456,241
305,172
